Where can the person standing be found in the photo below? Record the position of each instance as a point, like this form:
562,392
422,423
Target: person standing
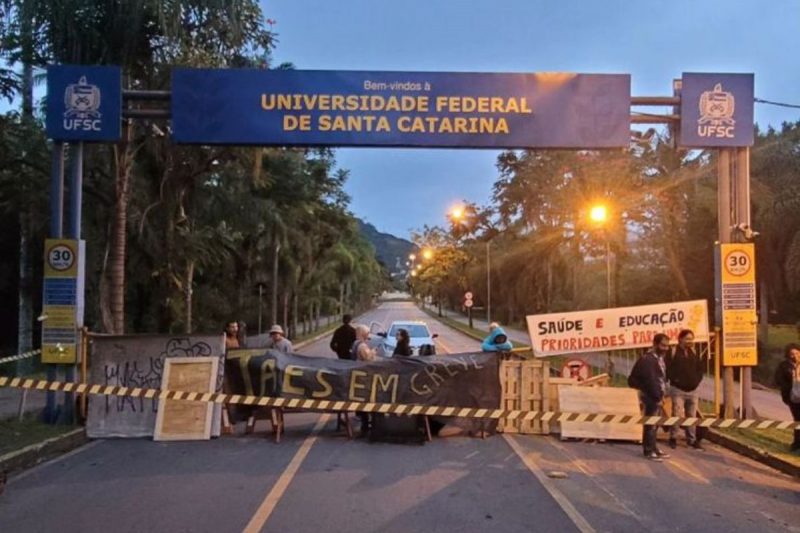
277,340
403,346
361,351
232,335
343,338
684,374
787,378
649,376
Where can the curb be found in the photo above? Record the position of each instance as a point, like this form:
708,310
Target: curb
757,454
315,338
475,336
39,452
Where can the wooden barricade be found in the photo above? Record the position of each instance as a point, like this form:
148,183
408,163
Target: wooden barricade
525,385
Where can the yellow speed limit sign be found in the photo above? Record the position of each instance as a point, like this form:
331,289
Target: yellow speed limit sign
739,319
61,258
738,263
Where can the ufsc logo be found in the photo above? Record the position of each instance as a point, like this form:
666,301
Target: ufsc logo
716,114
83,103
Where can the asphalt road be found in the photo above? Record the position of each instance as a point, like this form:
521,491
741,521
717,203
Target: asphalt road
317,480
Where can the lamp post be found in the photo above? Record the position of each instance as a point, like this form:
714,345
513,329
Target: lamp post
457,216
599,215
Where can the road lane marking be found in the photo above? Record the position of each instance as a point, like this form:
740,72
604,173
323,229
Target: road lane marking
444,346
593,476
572,513
688,471
271,500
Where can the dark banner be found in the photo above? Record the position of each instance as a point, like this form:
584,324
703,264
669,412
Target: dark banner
369,108
461,380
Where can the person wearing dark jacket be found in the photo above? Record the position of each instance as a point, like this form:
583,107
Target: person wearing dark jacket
343,338
403,347
649,376
684,373
786,375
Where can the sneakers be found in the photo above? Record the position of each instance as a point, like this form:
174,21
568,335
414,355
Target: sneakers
653,456
673,443
697,446
661,454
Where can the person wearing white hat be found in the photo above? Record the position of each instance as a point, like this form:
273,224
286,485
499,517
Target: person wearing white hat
277,341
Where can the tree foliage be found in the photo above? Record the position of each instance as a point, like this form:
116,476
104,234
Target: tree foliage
547,255
202,227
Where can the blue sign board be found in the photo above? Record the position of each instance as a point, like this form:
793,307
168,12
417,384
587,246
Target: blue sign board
354,108
717,110
84,103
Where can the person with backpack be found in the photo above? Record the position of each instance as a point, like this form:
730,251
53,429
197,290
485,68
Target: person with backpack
685,369
649,377
787,378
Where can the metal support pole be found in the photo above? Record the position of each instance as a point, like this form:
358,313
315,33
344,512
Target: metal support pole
260,301
56,228
74,232
84,376
488,284
609,300
742,202
717,365
724,218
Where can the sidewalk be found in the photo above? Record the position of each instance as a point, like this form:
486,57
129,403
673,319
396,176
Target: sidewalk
767,403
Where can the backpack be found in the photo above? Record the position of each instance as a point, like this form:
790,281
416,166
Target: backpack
634,381
397,429
427,349
354,350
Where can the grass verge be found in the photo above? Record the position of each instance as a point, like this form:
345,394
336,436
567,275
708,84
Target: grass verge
773,442
15,434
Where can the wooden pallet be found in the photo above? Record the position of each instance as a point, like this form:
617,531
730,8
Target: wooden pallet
524,386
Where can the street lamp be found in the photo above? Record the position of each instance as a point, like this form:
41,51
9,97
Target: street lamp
457,216
427,254
598,214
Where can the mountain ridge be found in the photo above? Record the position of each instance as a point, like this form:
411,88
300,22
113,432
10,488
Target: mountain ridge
390,250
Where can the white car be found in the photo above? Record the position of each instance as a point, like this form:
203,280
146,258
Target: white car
418,332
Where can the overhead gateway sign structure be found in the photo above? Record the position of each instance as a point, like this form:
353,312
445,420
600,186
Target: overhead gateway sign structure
415,109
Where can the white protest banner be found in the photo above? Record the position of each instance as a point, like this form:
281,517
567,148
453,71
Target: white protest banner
615,329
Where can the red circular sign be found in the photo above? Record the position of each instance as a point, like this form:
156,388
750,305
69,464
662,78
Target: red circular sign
576,369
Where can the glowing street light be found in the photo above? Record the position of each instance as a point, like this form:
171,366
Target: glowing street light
412,256
427,254
598,213
457,213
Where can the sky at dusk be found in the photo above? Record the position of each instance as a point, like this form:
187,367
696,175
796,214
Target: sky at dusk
398,190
